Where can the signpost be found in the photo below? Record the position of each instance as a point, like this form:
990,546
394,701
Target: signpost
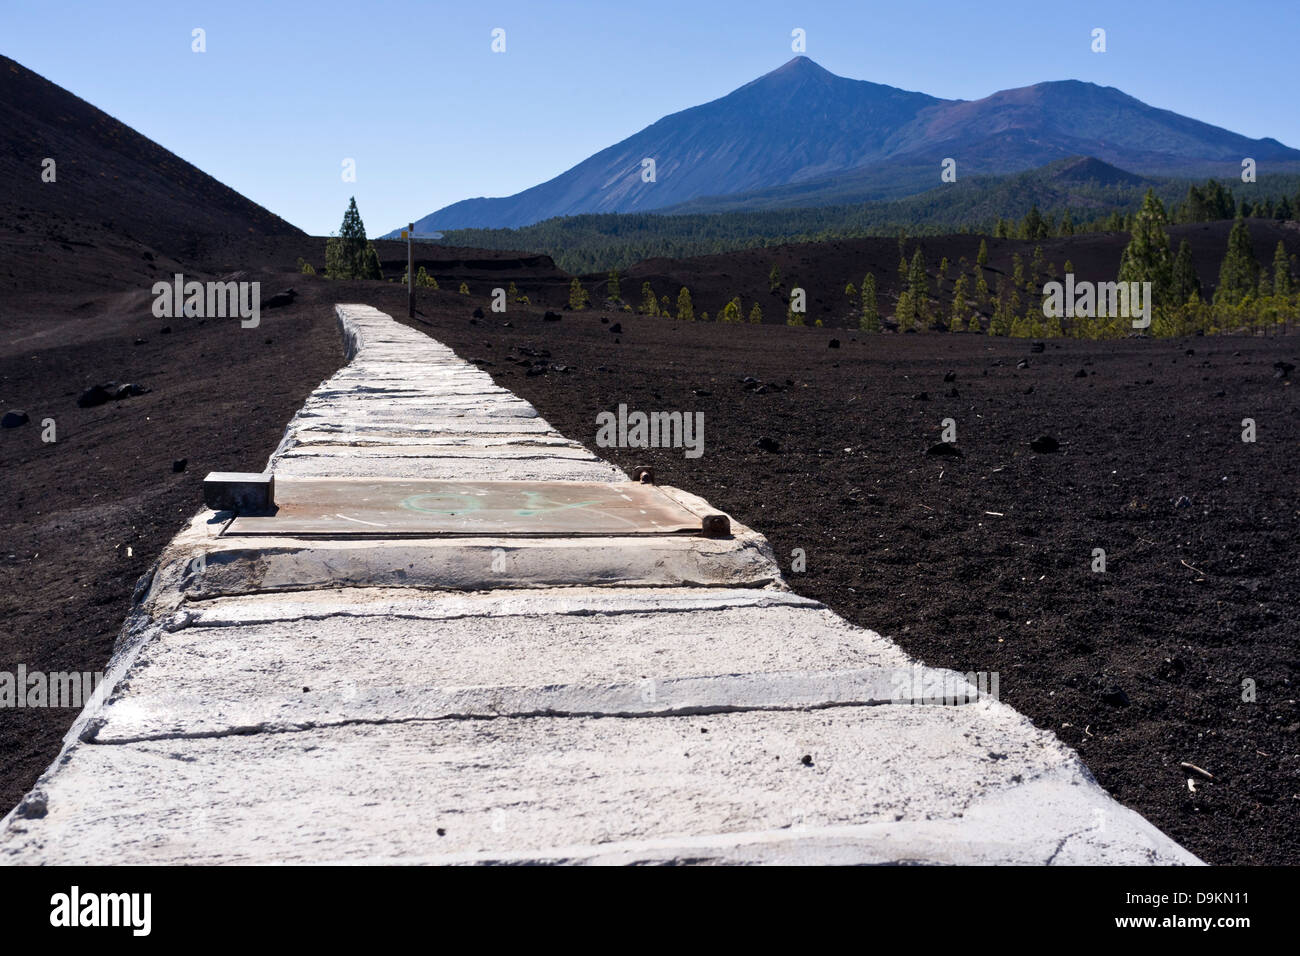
409,235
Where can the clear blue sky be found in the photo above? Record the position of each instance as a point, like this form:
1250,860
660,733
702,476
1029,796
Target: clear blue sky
413,93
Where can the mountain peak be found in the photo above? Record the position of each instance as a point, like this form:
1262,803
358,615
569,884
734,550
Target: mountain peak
799,67
800,62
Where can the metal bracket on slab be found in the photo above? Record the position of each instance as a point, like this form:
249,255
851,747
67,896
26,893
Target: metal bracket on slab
246,493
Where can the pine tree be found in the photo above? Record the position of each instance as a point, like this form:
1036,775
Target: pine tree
1033,226
665,307
982,257
349,255
1146,258
1067,224
1036,267
904,315
1281,271
774,279
960,308
731,311
1239,272
612,289
755,315
685,311
1184,283
464,289
578,297
851,293
870,319
792,317
918,289
649,304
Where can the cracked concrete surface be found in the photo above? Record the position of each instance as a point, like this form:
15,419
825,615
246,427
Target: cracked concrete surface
503,699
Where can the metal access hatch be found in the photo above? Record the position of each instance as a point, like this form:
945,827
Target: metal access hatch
400,508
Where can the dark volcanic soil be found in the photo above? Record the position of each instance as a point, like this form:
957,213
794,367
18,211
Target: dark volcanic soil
220,397
983,563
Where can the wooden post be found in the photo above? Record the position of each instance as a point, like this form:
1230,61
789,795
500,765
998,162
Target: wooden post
410,271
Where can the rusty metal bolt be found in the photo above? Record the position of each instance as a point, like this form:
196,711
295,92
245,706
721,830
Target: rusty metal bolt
644,474
716,526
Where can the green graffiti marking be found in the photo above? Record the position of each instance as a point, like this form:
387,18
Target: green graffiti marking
538,503
535,503
452,504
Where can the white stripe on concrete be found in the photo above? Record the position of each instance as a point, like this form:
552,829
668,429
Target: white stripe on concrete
597,700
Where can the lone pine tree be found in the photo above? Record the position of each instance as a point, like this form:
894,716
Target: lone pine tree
1146,257
349,255
870,318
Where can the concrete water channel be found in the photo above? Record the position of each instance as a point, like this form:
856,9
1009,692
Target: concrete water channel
464,638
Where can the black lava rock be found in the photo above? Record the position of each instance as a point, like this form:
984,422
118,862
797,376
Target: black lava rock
616,328
109,392
770,445
1115,696
93,396
13,418
945,449
179,465
1045,444
477,313
281,299
551,316
833,344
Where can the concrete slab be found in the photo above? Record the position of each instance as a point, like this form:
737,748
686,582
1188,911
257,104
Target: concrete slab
971,784
447,469
303,663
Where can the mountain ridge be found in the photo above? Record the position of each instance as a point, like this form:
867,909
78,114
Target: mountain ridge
800,124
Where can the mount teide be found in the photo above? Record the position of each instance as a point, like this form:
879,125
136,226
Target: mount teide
801,132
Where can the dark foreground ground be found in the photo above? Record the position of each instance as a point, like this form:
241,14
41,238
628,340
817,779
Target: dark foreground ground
83,517
981,563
